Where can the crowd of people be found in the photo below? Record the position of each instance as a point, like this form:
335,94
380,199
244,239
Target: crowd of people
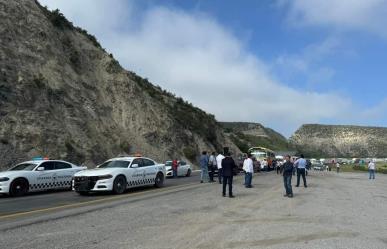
226,169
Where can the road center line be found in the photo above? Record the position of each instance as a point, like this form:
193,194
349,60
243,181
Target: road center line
86,203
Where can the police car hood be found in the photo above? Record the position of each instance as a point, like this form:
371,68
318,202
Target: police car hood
12,173
98,172
168,168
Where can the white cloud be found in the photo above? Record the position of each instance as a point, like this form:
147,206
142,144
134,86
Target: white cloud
194,56
364,15
309,61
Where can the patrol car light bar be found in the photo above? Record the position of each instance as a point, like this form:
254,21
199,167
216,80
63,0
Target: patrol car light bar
39,158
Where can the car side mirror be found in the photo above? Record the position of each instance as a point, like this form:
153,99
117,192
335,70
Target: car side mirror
40,169
134,166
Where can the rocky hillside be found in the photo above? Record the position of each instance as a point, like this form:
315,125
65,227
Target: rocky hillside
247,135
63,96
340,141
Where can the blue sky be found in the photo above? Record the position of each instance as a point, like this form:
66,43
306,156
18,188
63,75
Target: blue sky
282,63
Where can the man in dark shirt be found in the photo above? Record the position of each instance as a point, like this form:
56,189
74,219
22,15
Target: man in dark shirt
228,166
288,172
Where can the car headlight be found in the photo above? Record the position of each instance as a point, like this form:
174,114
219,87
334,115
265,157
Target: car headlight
104,177
4,179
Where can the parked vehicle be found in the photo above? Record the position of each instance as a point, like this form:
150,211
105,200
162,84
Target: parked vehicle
119,174
37,175
183,169
318,166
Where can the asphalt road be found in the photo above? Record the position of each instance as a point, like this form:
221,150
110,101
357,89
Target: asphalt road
54,200
336,211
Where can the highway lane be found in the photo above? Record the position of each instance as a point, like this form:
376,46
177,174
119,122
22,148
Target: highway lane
51,200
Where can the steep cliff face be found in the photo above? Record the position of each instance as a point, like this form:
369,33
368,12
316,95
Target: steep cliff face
247,135
341,141
63,96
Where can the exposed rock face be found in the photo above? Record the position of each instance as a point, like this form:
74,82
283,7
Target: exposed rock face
340,141
63,96
247,135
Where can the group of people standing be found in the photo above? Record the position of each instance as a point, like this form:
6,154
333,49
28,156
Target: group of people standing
225,165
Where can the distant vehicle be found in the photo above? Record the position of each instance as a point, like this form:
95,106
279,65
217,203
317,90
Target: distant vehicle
119,174
261,154
183,169
318,166
40,174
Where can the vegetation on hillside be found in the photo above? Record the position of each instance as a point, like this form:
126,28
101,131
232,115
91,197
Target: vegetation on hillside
269,139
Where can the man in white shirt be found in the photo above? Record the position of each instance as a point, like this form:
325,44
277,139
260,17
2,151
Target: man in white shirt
300,165
338,167
371,169
219,159
248,167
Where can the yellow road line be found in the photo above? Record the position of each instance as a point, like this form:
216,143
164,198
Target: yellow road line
86,203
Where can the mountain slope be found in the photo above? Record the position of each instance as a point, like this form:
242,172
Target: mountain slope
63,96
247,135
340,141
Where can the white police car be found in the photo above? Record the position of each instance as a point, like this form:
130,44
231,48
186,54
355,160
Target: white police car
119,174
37,175
183,169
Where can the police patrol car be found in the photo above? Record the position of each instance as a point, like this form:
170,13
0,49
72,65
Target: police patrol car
37,175
119,174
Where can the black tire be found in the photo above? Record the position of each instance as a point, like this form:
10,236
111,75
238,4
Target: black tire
119,185
188,173
159,181
19,187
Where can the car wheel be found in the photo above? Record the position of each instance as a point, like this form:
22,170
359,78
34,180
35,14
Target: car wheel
19,187
119,185
159,181
188,173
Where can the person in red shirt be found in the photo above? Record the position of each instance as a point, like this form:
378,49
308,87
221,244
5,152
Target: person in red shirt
175,164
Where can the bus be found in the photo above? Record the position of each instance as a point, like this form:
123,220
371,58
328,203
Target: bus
261,154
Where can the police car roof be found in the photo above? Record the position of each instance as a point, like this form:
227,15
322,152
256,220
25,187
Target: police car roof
127,158
41,161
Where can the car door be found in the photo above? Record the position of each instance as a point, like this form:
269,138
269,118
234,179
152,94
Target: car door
63,174
150,171
182,169
44,178
136,173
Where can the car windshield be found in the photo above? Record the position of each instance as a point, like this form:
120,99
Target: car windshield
115,164
168,163
24,166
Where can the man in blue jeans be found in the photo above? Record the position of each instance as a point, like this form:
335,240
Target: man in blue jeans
248,167
288,172
371,169
204,167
